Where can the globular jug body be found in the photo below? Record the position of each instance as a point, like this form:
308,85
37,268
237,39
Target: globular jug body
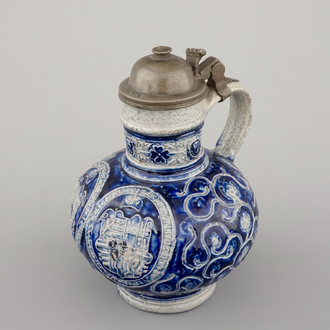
164,218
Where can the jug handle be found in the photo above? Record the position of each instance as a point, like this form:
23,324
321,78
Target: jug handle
240,111
238,122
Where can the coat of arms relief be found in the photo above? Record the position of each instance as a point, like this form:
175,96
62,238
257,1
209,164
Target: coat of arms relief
123,244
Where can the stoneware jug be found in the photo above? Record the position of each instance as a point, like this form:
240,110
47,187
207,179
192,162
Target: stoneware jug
164,218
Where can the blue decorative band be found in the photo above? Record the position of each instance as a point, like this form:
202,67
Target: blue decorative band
156,154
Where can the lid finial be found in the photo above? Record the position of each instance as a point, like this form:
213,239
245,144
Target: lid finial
161,50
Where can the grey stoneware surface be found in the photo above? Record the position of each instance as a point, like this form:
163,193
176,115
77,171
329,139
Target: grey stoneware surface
61,63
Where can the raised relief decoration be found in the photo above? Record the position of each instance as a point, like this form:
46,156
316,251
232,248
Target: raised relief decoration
158,154
84,196
124,243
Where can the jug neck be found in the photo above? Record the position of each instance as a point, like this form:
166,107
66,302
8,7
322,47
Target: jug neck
164,153
164,123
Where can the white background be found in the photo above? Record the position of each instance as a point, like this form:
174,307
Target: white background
61,63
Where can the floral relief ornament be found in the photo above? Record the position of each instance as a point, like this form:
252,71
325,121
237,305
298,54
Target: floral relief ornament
158,154
130,146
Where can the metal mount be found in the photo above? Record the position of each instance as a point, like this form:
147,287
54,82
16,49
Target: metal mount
211,70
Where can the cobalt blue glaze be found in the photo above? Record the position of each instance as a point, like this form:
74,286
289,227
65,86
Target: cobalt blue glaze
214,220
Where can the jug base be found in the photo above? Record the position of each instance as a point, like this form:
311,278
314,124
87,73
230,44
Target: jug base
166,306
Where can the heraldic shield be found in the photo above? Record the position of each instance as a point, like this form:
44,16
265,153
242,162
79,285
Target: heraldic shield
123,243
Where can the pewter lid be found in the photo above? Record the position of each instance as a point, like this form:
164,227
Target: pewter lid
163,81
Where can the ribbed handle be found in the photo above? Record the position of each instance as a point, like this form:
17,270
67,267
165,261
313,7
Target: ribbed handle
238,122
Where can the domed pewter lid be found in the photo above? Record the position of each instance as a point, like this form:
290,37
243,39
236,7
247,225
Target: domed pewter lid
163,81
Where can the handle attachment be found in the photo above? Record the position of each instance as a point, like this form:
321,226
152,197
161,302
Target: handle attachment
240,112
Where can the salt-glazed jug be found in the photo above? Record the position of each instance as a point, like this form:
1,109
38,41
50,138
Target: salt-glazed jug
164,218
